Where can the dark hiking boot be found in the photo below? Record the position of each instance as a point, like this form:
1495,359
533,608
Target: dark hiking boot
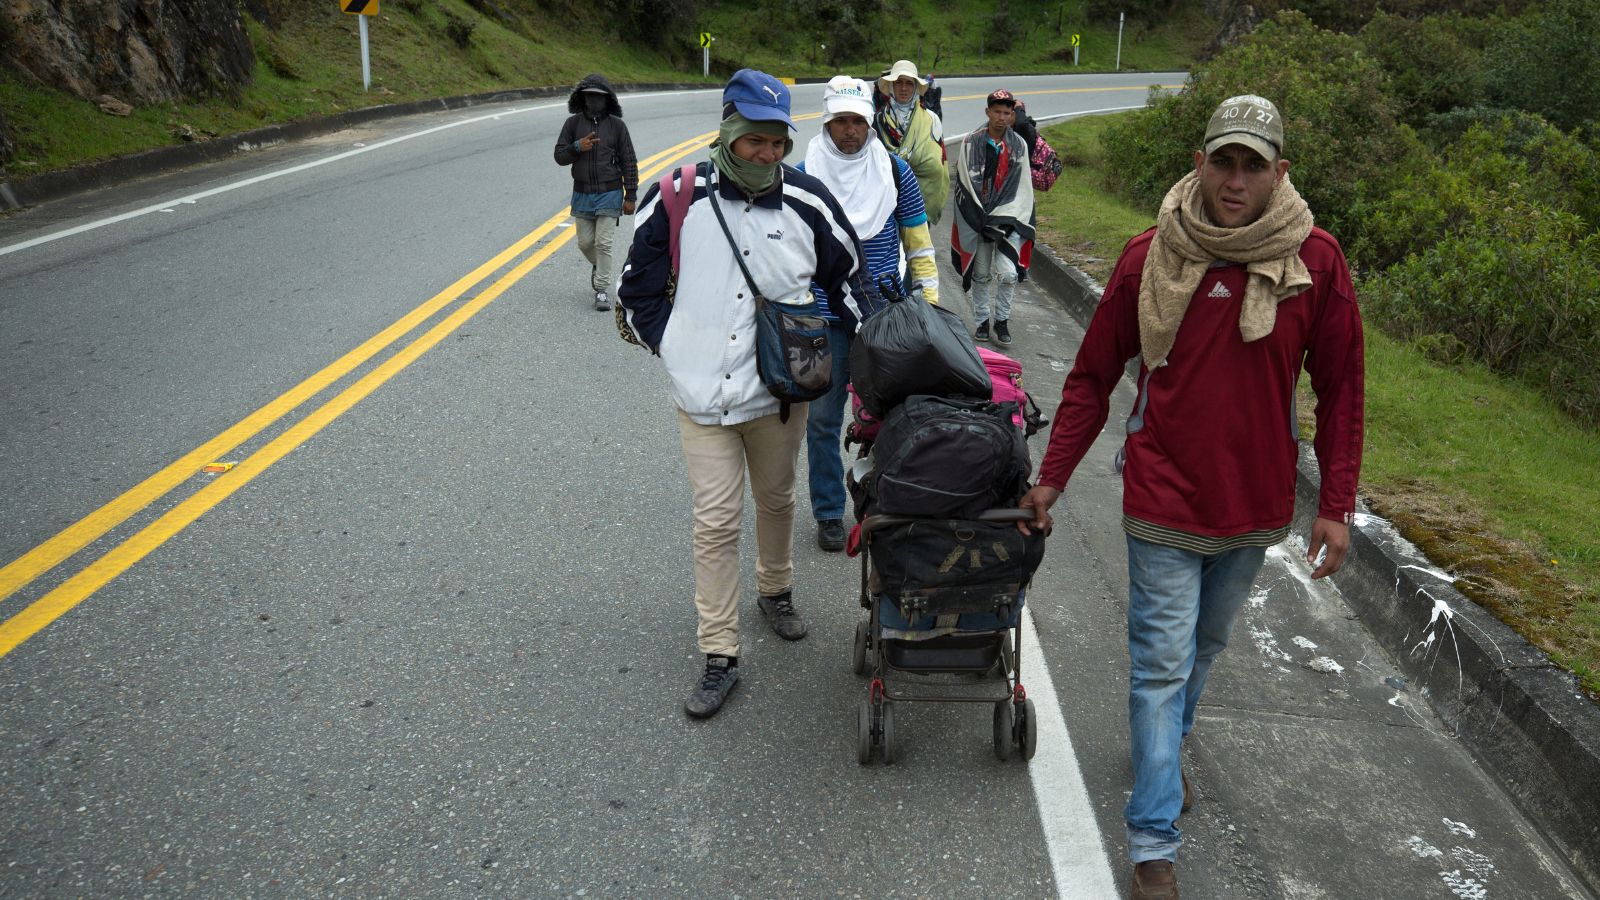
982,334
830,534
1001,332
1154,880
716,682
779,610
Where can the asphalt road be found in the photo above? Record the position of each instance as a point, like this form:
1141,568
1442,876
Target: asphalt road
431,634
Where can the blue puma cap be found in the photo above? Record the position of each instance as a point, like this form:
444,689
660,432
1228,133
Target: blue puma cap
758,97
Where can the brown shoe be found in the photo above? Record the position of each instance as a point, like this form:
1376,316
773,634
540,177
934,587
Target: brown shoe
1188,792
1154,880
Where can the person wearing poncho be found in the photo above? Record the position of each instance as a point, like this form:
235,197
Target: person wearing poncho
1222,302
991,237
914,133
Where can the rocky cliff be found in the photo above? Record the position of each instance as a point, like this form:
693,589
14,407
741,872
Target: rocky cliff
139,51
1236,19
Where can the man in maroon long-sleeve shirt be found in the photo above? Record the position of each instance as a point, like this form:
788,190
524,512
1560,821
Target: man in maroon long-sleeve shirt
1224,300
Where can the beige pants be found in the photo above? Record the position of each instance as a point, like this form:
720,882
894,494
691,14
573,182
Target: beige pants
717,457
594,241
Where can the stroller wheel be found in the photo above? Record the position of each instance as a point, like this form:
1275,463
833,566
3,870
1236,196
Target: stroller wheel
864,733
1027,729
858,653
886,724
1003,734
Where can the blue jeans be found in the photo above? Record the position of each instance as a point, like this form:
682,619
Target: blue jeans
1181,608
823,420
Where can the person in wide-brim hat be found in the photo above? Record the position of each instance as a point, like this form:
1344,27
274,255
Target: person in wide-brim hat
914,133
904,68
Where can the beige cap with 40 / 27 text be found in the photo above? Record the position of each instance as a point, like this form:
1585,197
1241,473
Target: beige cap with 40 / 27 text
1249,120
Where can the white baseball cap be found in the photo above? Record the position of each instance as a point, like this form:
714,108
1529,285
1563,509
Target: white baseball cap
845,95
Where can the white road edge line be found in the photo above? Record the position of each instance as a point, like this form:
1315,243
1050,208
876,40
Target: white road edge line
1072,835
166,206
1087,112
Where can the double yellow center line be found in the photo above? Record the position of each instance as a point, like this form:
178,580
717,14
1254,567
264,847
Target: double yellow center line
39,561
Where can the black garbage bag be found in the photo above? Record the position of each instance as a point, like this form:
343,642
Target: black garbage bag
912,347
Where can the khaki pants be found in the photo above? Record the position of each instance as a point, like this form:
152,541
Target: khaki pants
594,240
717,457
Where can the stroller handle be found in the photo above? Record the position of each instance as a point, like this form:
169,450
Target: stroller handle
873,523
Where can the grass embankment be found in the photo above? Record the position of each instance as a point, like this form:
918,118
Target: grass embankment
310,65
1490,480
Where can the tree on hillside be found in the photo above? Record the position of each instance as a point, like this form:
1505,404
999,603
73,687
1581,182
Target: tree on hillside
1435,63
847,27
1149,12
1350,16
653,20
1548,62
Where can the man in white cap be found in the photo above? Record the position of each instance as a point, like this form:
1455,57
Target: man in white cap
883,201
1208,467
914,133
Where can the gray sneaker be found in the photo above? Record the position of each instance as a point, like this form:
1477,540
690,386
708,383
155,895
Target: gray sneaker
780,613
716,682
602,302
1001,332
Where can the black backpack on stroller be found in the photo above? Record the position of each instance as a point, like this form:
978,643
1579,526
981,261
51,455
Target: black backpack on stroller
948,458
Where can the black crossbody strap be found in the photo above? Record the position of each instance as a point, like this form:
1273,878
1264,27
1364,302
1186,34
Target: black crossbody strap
716,207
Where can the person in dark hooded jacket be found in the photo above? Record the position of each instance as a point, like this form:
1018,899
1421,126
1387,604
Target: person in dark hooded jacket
1025,125
605,175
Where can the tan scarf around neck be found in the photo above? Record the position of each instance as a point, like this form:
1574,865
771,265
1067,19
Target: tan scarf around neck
1185,245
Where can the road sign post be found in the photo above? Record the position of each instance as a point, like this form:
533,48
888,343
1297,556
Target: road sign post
705,53
366,58
1076,39
361,9
1120,18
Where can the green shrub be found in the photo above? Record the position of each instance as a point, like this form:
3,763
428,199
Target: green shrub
459,30
1518,287
1435,64
1517,158
1350,16
1341,135
1548,61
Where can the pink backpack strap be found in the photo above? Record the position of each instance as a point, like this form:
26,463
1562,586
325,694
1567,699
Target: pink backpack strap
676,198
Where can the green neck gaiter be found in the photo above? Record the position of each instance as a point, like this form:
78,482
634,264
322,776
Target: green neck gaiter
752,178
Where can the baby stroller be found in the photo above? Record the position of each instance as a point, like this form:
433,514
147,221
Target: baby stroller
928,622
944,593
